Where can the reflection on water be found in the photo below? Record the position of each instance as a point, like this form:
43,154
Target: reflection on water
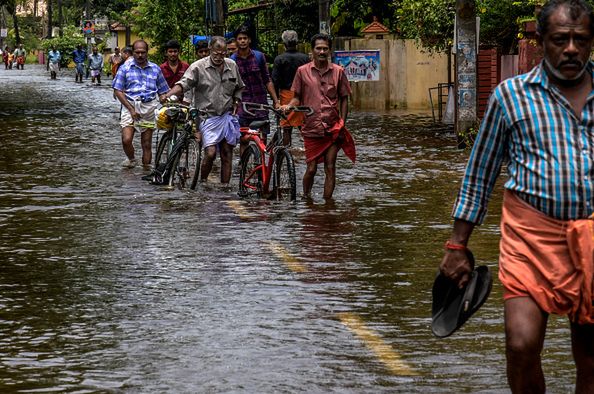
110,284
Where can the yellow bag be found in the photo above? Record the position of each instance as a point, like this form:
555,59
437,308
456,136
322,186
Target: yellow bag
163,120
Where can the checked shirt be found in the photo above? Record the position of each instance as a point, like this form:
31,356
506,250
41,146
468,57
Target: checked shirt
140,83
531,127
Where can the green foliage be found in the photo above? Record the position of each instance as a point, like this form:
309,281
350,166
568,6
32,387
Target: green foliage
164,20
66,44
430,22
349,17
496,17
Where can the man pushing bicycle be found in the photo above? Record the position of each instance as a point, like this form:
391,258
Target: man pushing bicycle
217,89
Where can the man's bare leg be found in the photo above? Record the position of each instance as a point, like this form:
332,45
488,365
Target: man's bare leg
525,326
226,152
210,153
127,141
308,177
582,345
330,170
146,139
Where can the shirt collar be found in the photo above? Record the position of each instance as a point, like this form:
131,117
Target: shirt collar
539,76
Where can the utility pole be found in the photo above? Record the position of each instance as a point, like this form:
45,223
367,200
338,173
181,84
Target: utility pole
60,18
219,28
466,66
324,12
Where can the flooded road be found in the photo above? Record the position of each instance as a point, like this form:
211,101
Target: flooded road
110,284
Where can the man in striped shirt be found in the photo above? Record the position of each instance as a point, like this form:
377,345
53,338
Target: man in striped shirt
541,125
138,85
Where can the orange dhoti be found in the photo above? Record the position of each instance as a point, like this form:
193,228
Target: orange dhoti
547,259
316,147
294,119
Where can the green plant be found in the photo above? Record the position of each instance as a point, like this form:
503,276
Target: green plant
66,44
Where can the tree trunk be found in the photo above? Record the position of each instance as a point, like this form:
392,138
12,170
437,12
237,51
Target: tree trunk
35,7
15,21
60,18
50,21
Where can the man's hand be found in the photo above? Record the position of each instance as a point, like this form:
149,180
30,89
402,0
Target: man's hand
284,108
456,266
135,115
198,136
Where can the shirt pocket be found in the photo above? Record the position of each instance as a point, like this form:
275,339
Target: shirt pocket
229,85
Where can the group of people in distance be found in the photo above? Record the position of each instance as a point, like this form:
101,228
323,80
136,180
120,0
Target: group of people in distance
14,59
219,81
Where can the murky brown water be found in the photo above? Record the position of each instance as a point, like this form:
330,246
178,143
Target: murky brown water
109,284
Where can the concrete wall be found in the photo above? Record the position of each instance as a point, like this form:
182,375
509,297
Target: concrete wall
405,78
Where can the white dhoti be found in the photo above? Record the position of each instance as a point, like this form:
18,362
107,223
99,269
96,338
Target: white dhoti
219,128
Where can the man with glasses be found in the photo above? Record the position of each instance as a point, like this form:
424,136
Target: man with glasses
217,87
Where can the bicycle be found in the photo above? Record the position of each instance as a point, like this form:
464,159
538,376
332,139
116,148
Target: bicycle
256,172
179,155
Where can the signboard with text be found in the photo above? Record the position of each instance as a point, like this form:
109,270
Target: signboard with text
361,65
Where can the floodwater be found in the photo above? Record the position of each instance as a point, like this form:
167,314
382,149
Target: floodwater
110,284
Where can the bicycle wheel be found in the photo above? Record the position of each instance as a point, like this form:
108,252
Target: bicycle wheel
285,187
250,174
188,165
197,164
163,150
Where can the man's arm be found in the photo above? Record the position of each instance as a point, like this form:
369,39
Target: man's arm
343,107
272,91
120,95
455,264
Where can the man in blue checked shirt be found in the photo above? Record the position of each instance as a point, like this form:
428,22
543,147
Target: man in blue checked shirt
139,85
541,125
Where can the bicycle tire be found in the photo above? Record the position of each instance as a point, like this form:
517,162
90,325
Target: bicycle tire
186,164
285,182
198,164
250,176
163,149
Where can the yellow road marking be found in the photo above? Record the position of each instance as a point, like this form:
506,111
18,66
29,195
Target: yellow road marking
291,261
239,209
373,341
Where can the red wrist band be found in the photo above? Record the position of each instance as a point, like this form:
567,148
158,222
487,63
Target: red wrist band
452,246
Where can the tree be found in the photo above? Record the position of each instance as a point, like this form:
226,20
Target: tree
167,19
430,22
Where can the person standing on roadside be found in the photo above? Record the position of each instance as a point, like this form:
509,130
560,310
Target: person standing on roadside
283,72
20,55
138,85
540,125
217,87
173,68
79,56
324,87
114,60
96,65
5,55
255,76
53,59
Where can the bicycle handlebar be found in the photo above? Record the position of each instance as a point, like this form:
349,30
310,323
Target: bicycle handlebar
247,106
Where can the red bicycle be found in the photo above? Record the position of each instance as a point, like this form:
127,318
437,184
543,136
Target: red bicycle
261,164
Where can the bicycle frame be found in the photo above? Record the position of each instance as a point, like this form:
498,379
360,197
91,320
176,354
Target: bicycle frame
181,132
268,153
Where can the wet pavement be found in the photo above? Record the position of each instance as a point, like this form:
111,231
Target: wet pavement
110,284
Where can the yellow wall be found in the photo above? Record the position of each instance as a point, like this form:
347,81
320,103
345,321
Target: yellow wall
406,74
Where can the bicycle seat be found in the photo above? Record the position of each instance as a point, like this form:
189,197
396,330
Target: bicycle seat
258,124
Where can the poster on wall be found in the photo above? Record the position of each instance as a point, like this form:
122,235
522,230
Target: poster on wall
363,65
88,27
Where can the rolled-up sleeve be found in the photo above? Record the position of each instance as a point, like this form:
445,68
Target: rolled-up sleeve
484,165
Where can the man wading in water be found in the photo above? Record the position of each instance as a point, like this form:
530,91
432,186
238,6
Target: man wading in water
541,125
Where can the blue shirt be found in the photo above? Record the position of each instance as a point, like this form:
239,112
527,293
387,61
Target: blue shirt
79,56
95,61
53,56
548,150
140,83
